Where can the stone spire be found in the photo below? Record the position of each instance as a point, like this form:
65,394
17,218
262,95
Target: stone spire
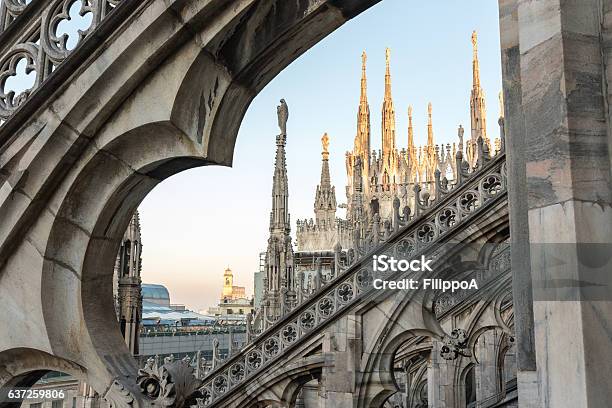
388,111
389,159
411,145
478,109
325,199
411,153
279,281
362,139
475,62
429,160
430,134
279,217
127,278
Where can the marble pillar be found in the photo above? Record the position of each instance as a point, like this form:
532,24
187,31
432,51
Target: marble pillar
487,370
528,388
568,196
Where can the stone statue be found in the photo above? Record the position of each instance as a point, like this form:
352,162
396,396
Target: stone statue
283,115
325,143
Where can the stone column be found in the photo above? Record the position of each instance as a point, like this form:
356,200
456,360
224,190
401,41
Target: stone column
517,190
487,373
568,195
440,379
341,346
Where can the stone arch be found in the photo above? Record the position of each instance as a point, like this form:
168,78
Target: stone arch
419,378
280,389
84,240
22,367
463,379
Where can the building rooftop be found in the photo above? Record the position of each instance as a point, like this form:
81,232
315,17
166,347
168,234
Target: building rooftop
154,291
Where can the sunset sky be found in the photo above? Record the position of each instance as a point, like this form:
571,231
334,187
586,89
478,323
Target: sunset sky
202,220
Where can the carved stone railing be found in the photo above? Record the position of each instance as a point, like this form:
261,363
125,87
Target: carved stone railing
10,10
37,36
453,207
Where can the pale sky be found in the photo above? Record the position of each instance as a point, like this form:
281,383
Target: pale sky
200,221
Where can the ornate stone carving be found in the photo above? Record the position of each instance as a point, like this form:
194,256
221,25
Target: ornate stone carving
173,384
44,40
455,345
118,396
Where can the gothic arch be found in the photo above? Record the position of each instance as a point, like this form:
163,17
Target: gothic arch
22,367
280,388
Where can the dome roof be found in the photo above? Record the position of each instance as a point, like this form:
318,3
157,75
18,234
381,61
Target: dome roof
153,291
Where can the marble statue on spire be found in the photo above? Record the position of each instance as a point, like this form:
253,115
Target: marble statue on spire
282,111
279,282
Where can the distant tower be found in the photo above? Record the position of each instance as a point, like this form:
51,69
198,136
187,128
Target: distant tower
478,110
279,282
228,284
127,277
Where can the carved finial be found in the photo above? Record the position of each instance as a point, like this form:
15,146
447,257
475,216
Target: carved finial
410,131
364,59
475,63
387,58
387,74
501,104
430,136
364,82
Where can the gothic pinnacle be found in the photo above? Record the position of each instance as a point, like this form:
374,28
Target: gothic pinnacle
364,84
475,62
478,110
410,130
388,112
430,136
362,138
387,74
